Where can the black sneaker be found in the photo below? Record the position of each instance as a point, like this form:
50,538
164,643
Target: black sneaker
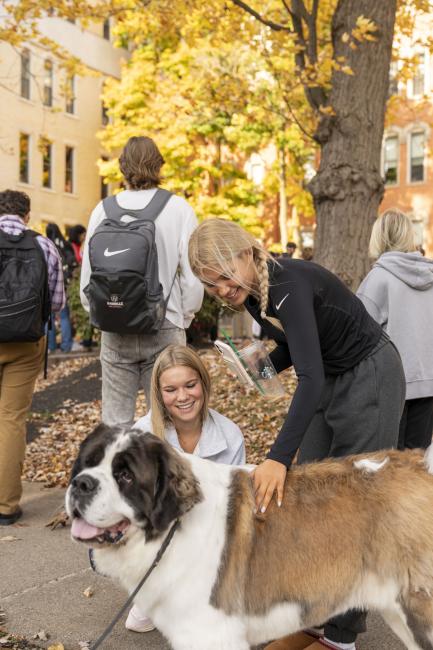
8,520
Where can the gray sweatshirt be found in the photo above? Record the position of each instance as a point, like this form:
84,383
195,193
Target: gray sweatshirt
398,294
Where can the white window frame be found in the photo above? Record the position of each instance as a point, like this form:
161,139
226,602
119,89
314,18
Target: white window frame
106,24
387,136
74,167
393,78
426,86
29,163
414,132
50,85
52,167
26,52
73,87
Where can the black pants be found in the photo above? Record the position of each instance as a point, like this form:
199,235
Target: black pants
359,411
416,426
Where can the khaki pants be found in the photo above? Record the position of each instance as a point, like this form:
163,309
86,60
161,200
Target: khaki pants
20,364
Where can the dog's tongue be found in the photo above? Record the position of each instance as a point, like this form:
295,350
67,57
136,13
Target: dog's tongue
80,529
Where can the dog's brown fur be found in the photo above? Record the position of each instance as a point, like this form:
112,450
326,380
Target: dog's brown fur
337,523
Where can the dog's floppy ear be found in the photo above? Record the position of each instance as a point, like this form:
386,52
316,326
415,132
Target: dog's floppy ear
176,488
91,450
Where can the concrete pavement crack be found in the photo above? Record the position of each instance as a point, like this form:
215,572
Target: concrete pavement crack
44,584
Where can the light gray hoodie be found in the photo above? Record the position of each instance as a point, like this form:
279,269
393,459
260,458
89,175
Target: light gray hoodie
398,294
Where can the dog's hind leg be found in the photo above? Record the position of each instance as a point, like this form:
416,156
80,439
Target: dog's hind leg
396,620
417,607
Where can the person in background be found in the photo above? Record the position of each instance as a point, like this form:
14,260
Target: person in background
398,294
76,236
350,391
307,253
69,263
21,362
290,249
180,414
127,359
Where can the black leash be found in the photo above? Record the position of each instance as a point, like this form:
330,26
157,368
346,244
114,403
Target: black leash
155,563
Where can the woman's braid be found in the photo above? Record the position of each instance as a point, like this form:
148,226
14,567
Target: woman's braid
261,260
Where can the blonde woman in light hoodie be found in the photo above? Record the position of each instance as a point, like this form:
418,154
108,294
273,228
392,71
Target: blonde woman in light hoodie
398,294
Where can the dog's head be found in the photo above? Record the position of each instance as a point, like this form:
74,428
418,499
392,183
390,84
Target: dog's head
126,479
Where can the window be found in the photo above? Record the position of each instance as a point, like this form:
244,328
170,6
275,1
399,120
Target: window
70,95
47,163
104,114
48,83
106,29
104,186
24,158
69,169
393,79
416,173
390,160
25,74
418,81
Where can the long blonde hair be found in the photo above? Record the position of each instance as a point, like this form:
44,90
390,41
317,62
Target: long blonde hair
392,231
216,243
175,355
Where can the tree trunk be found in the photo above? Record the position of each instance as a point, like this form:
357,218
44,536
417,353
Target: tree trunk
348,187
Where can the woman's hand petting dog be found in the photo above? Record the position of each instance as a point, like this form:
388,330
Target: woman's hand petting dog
269,477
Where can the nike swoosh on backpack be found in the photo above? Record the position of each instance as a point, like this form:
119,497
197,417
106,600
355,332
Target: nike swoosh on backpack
108,253
281,301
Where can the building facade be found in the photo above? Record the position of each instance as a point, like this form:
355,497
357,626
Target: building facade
49,121
407,165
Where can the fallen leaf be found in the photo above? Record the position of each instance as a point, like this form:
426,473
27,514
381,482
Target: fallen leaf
59,519
56,646
88,592
42,635
9,538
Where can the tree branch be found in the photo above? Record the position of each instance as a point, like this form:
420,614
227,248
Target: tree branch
313,31
269,23
286,6
300,11
316,96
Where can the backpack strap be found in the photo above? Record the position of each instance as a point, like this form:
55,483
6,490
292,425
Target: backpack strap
33,234
152,210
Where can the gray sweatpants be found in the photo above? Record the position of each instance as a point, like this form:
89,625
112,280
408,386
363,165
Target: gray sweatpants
127,363
359,411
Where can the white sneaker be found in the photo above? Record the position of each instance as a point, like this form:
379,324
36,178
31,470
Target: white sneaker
136,622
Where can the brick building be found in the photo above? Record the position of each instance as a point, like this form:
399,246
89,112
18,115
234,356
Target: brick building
408,141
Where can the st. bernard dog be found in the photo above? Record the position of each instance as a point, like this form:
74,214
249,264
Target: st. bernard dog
351,533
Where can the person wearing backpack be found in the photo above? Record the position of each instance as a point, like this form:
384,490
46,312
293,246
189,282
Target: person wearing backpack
136,281
69,263
31,286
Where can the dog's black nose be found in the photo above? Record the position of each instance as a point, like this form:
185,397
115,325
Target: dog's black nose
85,484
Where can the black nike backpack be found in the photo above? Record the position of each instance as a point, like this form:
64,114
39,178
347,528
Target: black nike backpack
24,297
124,291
